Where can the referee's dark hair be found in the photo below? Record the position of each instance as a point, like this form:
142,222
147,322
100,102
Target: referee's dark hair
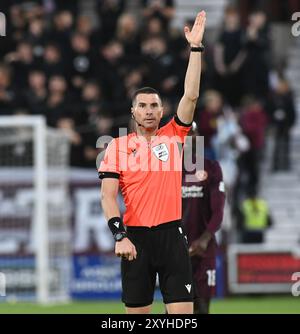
144,90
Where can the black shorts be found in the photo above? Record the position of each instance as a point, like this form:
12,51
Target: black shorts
162,251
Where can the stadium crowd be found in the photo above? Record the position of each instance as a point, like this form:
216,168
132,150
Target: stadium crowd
56,62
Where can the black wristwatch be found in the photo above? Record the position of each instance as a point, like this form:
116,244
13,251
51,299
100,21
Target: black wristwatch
120,236
198,48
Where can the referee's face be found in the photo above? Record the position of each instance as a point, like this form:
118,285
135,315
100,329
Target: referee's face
147,110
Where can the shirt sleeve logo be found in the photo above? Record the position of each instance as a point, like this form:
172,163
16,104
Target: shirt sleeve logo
161,152
222,186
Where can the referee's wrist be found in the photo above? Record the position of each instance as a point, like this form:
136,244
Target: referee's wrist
116,225
198,48
196,45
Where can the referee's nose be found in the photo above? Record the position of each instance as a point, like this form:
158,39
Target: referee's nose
149,112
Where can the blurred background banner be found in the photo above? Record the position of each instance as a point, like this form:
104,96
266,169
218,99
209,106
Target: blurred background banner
67,73
96,277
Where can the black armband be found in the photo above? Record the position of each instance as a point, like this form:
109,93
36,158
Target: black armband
103,175
115,224
179,122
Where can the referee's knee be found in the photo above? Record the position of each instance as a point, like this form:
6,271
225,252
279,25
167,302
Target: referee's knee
138,309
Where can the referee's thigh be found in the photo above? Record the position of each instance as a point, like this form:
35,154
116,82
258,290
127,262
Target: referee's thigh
175,272
138,276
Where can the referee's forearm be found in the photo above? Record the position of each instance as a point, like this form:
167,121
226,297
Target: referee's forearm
192,77
110,207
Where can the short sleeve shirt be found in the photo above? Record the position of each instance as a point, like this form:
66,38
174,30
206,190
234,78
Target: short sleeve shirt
150,173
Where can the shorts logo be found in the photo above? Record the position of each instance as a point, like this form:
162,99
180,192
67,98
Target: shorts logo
117,224
180,230
161,152
188,287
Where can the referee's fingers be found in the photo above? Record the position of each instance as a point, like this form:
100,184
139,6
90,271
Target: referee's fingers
134,252
123,255
130,257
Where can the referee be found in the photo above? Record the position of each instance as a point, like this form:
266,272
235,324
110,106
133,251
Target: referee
146,166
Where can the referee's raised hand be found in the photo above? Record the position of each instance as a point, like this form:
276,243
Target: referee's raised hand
125,249
195,36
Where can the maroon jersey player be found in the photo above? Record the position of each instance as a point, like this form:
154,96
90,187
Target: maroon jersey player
203,201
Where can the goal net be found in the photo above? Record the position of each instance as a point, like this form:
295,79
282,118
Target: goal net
35,231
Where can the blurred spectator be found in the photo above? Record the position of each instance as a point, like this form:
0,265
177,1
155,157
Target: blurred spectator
36,94
62,29
37,36
162,9
92,103
102,127
153,27
68,126
228,143
22,62
256,69
58,102
65,5
31,9
207,122
254,219
253,122
52,60
109,70
109,12
229,57
84,25
278,9
127,33
80,59
7,93
160,63
283,115
133,80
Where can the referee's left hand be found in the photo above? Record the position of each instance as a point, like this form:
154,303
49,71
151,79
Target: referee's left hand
195,36
125,249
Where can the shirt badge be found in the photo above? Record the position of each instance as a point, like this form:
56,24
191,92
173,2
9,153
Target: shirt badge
161,152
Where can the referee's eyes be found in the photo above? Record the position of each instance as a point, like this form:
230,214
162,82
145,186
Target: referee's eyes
152,106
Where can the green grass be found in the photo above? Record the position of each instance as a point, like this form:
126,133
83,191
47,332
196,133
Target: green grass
236,305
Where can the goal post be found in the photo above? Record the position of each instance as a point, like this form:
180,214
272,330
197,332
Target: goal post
35,255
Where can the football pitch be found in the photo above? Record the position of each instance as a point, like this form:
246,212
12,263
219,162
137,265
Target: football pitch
235,305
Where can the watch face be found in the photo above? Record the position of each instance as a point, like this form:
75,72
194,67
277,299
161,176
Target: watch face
119,236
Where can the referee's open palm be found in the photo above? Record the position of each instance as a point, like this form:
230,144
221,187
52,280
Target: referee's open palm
194,36
125,249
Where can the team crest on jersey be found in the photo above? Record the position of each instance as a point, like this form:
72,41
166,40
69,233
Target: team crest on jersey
201,175
161,152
